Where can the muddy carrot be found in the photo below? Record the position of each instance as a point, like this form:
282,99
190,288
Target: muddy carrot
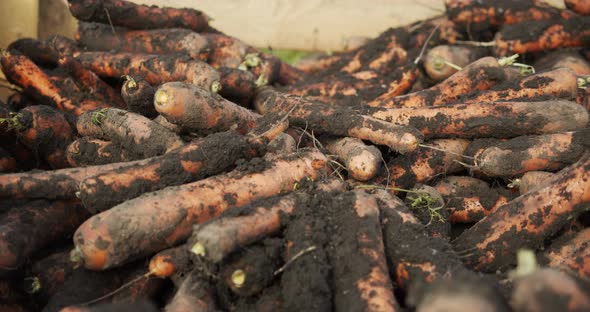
237,85
26,229
140,136
549,290
558,83
48,274
100,37
136,16
138,95
542,35
197,109
186,205
500,120
289,75
89,152
155,69
444,60
413,268
170,262
427,204
563,58
424,164
7,161
225,51
468,199
579,6
63,46
283,143
196,160
533,179
362,161
337,120
369,288
529,153
90,82
479,75
570,254
46,131
194,294
251,270
492,242
23,72
36,50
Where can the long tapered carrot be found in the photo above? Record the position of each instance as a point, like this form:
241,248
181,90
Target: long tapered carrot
558,83
468,199
100,37
529,153
527,220
499,120
402,233
197,109
337,120
186,205
23,72
136,16
369,288
542,35
570,254
24,230
140,136
155,69
479,75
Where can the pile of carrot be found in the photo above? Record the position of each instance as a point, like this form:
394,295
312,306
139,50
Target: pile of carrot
153,162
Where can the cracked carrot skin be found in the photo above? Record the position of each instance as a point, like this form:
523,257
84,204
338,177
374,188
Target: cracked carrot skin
499,120
164,218
491,244
135,16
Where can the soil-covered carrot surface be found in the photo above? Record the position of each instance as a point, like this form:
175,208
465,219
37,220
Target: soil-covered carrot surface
154,163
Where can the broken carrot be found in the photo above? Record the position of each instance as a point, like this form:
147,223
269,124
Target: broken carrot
362,161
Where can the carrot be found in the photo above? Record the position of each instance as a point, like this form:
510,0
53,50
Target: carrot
63,46
283,143
186,205
196,109
26,229
364,287
289,74
143,305
194,294
7,161
155,69
362,161
570,254
500,120
563,59
443,61
225,51
315,64
461,291
468,199
237,85
581,7
492,242
55,184
424,164
23,72
140,136
542,35
88,152
197,160
45,131
402,234
36,50
215,239
48,274
170,262
168,125
550,290
251,270
138,95
101,37
341,121
530,153
91,83
557,83
429,208
481,15
135,16
479,75
532,180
